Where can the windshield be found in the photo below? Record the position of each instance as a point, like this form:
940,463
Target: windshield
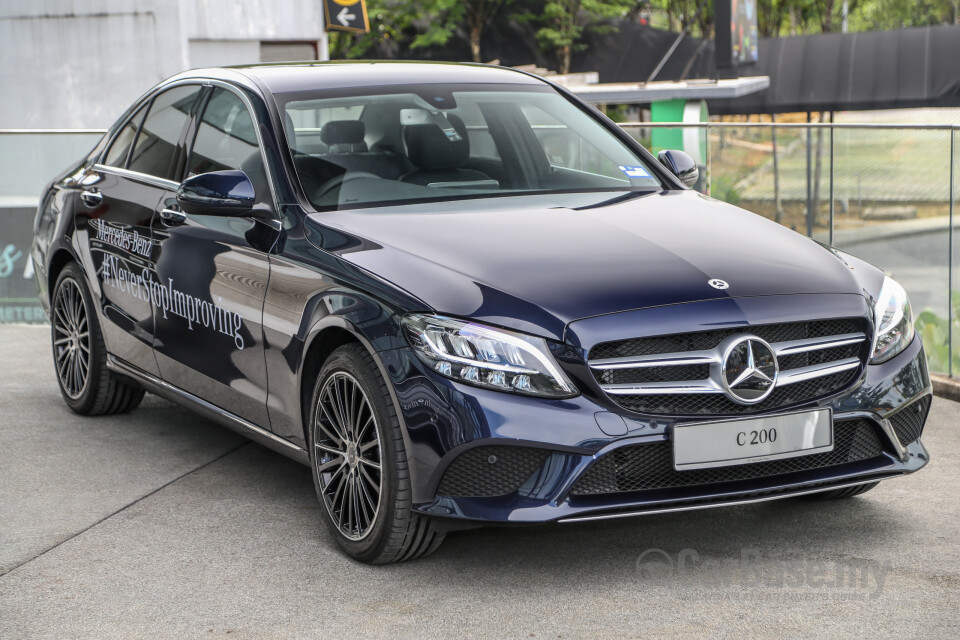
437,142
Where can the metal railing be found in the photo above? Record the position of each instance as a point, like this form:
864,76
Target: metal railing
951,130
884,192
908,226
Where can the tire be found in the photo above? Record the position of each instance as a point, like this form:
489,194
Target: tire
79,355
344,459
846,492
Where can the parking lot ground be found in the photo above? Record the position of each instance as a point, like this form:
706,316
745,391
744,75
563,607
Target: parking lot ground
160,524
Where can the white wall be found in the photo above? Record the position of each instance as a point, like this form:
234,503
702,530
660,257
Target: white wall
252,19
80,63
221,53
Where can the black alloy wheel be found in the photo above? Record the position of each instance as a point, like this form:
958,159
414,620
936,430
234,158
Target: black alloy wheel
347,450
359,463
79,354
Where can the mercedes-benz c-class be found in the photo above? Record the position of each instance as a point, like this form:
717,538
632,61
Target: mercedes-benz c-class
463,296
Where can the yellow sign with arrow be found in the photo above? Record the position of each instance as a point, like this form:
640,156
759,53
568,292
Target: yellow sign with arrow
346,15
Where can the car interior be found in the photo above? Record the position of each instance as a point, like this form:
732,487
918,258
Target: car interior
389,149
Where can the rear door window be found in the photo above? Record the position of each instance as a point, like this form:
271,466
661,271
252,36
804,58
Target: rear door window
117,155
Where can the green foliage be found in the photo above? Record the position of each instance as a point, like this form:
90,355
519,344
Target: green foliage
897,14
793,17
443,18
722,188
617,113
559,26
696,14
420,23
934,331
562,24
389,20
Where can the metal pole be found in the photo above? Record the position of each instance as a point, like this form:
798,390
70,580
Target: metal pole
950,253
831,179
809,211
676,43
663,60
706,132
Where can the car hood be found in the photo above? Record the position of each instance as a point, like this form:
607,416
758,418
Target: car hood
537,263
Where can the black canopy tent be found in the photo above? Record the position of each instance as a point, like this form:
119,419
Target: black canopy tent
917,67
856,71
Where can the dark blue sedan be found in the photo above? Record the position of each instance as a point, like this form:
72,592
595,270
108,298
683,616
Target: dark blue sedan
464,296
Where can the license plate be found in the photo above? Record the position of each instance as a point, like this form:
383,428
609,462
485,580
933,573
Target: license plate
720,444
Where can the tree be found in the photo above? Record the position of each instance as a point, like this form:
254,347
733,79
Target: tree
776,18
441,19
695,15
563,22
390,21
897,14
791,17
425,23
479,15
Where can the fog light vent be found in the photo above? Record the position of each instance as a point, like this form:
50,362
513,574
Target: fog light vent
908,423
484,472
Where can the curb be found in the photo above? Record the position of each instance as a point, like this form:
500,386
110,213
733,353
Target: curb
896,229
945,387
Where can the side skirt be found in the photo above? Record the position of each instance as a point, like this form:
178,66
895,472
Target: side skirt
189,401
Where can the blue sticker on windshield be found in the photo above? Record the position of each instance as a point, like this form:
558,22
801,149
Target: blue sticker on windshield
634,172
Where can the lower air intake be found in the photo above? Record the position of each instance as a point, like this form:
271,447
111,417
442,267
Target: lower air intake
908,423
650,466
485,472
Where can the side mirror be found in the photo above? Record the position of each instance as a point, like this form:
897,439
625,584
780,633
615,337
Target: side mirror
218,193
680,165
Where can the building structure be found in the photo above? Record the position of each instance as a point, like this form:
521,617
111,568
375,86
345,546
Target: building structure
76,64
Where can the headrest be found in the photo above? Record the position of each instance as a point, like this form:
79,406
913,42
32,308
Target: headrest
432,147
342,132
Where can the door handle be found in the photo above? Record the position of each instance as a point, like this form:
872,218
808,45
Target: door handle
172,218
91,198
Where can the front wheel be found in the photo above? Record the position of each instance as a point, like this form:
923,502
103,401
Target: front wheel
359,464
79,355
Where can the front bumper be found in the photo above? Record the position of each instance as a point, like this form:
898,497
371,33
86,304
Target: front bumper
563,440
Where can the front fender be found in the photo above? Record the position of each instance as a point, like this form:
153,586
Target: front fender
342,323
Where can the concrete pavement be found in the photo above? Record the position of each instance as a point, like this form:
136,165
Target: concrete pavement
162,525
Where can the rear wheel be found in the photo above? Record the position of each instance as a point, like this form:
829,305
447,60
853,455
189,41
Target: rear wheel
79,355
846,492
359,464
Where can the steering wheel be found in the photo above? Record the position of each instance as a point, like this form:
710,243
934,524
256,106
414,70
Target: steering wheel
340,180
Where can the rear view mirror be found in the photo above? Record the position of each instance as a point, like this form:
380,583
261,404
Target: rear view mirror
680,165
218,193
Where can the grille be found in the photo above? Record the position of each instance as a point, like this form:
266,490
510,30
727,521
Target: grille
818,357
710,339
473,475
654,374
650,466
718,404
908,423
836,347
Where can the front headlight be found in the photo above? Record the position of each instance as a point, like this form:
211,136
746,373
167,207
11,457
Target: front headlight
486,357
894,322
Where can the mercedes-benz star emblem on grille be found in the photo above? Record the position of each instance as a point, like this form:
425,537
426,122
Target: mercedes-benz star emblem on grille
749,371
716,283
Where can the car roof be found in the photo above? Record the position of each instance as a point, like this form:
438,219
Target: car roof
288,77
